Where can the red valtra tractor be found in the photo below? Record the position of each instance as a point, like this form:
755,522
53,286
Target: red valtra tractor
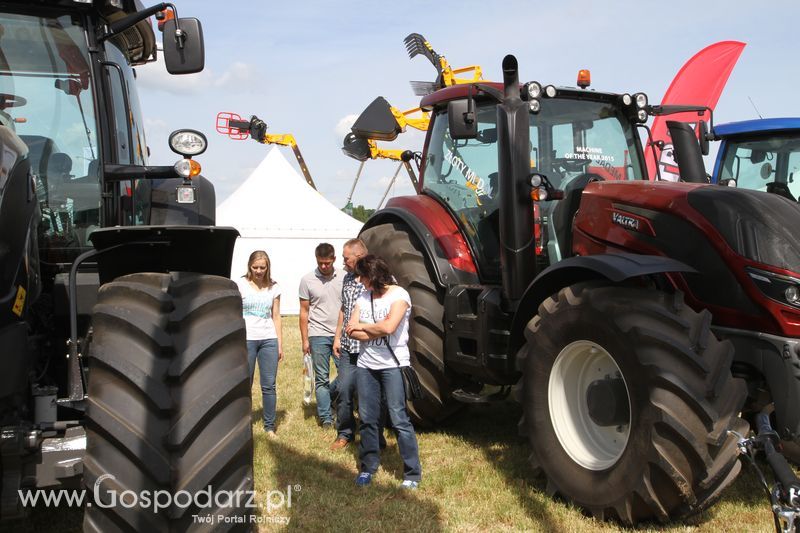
636,320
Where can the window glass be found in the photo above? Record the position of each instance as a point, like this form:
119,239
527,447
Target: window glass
755,164
131,147
568,139
463,174
46,98
131,144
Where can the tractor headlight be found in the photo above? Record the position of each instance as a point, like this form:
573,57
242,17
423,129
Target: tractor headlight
534,106
627,99
534,90
783,289
641,100
792,294
550,91
188,143
641,115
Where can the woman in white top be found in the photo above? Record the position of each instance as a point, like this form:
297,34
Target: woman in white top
261,306
380,320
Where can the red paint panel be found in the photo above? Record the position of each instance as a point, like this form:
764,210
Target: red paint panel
441,226
596,233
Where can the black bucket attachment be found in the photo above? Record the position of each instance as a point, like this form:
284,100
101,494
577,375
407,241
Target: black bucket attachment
377,122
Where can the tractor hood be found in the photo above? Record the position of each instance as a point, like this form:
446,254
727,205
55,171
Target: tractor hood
759,226
742,244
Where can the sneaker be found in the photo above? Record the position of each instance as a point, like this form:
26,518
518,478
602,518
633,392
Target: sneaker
409,484
327,426
271,434
363,479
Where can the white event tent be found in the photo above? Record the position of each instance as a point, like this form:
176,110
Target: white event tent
275,210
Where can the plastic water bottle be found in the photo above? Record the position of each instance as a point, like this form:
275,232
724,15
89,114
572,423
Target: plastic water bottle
308,382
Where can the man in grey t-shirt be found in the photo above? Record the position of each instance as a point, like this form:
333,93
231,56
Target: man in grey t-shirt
320,301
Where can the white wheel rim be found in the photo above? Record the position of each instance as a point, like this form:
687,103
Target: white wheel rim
592,446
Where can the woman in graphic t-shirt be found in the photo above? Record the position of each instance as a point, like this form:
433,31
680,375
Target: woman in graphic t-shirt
261,304
380,320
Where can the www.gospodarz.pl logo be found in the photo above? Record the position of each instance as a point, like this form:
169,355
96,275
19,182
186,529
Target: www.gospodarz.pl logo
158,500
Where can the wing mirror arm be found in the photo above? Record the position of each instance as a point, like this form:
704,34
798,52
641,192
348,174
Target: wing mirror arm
127,22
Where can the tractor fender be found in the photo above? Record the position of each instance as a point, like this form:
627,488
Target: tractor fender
130,249
612,267
436,231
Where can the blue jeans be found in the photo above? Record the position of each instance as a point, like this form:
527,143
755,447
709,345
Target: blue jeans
321,354
346,387
370,384
266,352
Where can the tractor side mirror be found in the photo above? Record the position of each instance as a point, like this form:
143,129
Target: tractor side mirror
766,171
377,122
702,134
461,119
184,51
757,156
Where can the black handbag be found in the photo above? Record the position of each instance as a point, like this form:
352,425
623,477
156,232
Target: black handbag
411,382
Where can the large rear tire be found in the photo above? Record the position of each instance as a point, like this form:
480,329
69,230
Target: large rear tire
168,405
398,247
628,398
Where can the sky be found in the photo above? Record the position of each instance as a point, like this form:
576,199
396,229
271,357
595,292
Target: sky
310,67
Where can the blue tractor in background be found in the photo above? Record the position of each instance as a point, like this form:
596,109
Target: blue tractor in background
761,154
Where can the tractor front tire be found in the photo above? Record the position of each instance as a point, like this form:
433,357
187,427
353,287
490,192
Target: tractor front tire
406,258
168,415
628,400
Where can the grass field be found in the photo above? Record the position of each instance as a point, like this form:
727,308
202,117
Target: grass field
475,478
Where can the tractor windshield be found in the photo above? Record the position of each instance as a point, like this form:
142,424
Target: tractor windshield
568,139
769,163
46,97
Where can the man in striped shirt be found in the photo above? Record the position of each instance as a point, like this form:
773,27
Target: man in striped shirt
345,348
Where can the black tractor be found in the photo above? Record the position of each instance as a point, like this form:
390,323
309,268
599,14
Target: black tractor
122,346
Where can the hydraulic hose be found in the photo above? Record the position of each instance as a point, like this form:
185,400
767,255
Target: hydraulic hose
780,466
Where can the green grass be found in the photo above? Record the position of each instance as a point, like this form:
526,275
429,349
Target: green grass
475,478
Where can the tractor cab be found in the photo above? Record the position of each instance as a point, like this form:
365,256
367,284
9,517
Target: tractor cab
575,137
68,98
49,101
762,155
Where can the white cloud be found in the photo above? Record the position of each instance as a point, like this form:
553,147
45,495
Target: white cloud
239,77
343,126
155,127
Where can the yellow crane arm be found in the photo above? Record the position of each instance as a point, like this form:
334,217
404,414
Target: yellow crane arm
235,127
404,118
449,74
382,153
416,45
395,155
282,139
